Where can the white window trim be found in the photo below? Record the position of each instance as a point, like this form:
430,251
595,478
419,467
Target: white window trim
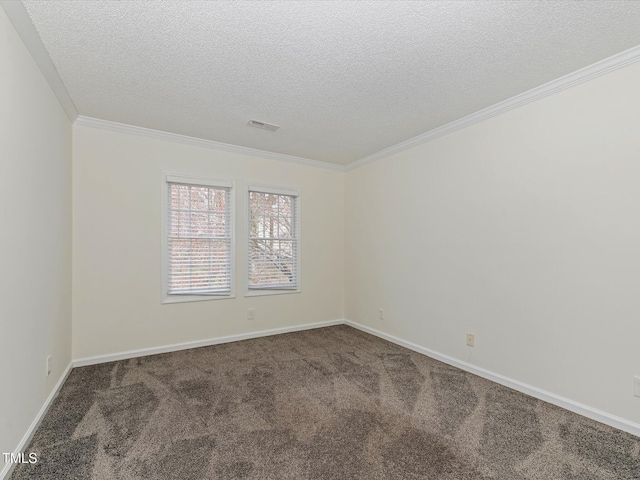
276,190
168,177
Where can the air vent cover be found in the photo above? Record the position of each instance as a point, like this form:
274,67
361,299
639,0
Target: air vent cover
263,125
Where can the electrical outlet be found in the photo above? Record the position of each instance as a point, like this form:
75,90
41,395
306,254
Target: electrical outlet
251,314
636,386
471,339
381,314
48,366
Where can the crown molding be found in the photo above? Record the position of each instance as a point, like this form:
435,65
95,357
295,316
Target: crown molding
585,74
22,23
200,142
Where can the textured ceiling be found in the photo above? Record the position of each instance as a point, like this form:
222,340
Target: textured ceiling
343,79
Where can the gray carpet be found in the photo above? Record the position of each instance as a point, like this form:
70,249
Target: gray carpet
332,403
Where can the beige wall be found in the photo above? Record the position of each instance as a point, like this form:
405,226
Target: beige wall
35,238
523,229
117,198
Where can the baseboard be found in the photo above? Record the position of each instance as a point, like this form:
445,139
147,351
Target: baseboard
113,357
8,467
6,471
566,403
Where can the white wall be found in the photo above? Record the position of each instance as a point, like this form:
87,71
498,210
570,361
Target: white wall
117,199
523,229
35,238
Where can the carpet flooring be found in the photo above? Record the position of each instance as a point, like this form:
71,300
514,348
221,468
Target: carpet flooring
331,403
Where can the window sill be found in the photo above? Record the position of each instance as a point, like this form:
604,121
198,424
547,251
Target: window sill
194,298
261,293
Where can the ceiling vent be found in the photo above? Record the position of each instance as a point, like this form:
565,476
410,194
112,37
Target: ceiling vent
262,125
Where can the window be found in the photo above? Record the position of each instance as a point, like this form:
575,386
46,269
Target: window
273,241
199,248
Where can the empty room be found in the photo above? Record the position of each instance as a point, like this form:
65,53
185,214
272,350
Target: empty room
320,239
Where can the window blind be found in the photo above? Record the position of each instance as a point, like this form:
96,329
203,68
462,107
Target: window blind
199,240
273,241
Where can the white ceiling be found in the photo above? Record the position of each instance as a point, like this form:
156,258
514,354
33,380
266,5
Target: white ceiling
343,79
